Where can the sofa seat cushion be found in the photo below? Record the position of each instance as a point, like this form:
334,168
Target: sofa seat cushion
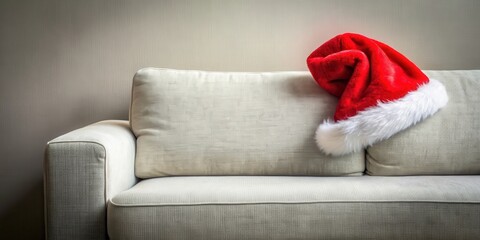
229,207
224,123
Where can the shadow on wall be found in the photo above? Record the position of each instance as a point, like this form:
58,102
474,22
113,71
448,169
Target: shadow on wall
24,214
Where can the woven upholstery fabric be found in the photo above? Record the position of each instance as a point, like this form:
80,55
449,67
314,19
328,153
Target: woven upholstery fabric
216,123
446,143
368,207
83,170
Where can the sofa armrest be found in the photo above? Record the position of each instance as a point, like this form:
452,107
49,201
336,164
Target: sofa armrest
83,170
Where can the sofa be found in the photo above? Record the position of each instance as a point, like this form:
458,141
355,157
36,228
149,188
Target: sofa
232,155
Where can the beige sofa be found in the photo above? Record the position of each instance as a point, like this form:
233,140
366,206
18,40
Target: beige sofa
211,155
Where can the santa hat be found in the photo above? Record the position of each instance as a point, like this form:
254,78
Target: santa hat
380,92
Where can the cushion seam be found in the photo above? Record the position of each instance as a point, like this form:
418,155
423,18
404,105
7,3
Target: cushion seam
286,203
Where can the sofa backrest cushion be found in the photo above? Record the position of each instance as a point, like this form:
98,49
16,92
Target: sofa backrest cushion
446,143
219,123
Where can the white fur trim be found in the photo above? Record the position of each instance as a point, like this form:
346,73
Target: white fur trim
381,121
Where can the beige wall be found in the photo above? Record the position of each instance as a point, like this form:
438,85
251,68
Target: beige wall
67,63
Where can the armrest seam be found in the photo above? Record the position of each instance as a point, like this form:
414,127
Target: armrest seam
98,140
104,167
104,160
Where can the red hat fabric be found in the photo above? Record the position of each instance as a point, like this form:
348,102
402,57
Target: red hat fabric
380,92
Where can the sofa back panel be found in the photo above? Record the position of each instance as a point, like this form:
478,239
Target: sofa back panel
215,123
446,143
